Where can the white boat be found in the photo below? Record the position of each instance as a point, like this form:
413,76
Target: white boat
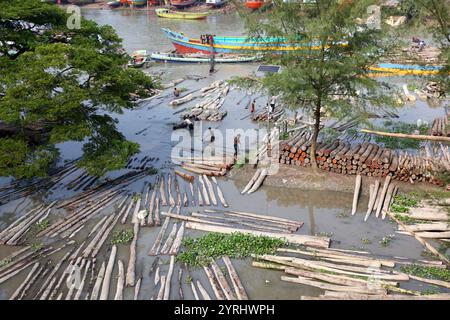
201,58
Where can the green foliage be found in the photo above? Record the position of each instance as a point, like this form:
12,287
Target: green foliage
36,246
366,241
401,143
5,261
122,237
386,240
59,85
402,202
41,226
427,272
200,251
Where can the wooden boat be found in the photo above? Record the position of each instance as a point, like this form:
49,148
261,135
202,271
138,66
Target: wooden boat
406,69
113,4
200,58
184,44
138,3
138,59
182,3
254,4
167,13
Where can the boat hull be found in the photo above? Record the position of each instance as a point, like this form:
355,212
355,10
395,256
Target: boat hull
180,59
162,13
254,5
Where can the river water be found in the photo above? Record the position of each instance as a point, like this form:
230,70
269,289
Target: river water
324,213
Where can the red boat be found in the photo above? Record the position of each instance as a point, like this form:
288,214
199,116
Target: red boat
254,4
182,3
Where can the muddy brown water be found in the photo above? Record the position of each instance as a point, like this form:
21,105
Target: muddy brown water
323,212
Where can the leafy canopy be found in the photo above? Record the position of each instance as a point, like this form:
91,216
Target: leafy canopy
59,85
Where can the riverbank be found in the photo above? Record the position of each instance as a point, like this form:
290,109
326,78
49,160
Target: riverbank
305,179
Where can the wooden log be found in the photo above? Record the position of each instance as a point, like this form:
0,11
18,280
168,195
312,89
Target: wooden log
222,281
150,220
194,291
356,194
372,199
324,286
98,282
25,282
387,201
382,196
169,278
321,242
252,181
204,191
434,226
220,193
169,241
211,190
155,248
239,289
161,288
408,136
120,282
214,284
137,288
108,273
178,239
203,291
131,270
162,191
258,182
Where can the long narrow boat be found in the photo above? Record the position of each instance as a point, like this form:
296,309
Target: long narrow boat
182,3
184,44
167,13
171,57
406,69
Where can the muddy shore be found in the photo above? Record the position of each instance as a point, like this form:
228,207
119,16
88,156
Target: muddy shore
305,179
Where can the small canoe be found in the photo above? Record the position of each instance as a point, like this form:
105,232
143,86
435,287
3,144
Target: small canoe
173,57
167,13
138,59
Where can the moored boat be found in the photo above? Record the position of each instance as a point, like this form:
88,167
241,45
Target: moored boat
254,4
138,59
182,3
167,13
113,4
201,58
215,3
203,44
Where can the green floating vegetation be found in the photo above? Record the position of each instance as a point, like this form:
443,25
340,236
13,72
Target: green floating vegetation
401,127
199,251
122,237
427,272
403,202
42,225
386,240
4,262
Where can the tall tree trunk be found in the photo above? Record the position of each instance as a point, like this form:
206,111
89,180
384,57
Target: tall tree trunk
312,152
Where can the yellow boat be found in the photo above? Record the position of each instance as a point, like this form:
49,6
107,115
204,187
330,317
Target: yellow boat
167,13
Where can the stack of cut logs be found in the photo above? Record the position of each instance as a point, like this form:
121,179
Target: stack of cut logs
209,167
263,115
365,159
213,98
439,127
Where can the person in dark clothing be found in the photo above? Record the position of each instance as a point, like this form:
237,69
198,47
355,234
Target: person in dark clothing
176,92
236,143
211,134
253,106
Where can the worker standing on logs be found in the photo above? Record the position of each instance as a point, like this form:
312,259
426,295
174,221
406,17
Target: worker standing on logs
236,143
252,106
176,92
211,135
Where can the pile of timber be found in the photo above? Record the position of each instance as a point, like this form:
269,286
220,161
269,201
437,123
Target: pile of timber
363,158
432,90
213,99
345,273
264,115
207,166
238,220
440,127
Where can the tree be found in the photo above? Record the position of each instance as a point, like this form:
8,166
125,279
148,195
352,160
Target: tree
327,73
61,85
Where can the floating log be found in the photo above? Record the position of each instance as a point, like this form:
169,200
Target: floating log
185,176
356,194
258,181
220,193
214,284
203,291
169,278
120,281
108,273
131,270
155,248
237,284
408,136
382,196
226,289
98,282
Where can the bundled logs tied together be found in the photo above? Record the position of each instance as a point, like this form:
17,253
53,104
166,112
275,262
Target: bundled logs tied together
365,159
213,99
264,115
440,127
